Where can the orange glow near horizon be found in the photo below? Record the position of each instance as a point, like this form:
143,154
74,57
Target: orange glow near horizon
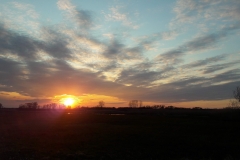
68,100
88,100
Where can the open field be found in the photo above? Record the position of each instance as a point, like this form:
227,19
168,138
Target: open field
120,134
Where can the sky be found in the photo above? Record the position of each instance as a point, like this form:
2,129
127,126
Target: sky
184,53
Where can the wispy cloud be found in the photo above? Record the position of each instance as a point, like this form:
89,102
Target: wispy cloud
219,67
29,9
71,58
208,41
199,12
206,61
27,47
116,15
196,88
20,17
82,17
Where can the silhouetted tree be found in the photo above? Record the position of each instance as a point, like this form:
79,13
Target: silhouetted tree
35,105
32,105
54,106
158,106
139,103
135,103
101,104
196,108
21,106
1,106
161,106
236,94
169,107
233,104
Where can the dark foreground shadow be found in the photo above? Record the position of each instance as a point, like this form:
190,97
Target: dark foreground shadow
104,134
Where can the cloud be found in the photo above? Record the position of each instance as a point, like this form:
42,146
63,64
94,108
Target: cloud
20,17
116,15
113,49
65,5
150,41
206,61
137,78
17,44
28,47
34,77
47,79
81,17
145,74
171,57
10,70
119,53
218,87
169,35
203,42
197,44
218,67
57,77
27,8
63,60
232,75
226,9
57,46
84,18
192,10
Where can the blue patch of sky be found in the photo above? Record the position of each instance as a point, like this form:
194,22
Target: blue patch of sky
154,17
230,44
49,12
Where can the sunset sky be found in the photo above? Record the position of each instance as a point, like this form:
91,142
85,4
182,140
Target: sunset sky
184,53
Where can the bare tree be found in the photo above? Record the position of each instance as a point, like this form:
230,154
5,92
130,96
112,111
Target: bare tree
139,103
35,105
135,103
236,94
31,105
101,104
233,104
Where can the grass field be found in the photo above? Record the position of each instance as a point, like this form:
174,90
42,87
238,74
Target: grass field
120,134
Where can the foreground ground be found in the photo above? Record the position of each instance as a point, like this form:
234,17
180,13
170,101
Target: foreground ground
120,134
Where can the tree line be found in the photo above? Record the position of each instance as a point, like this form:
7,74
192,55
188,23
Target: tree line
35,105
235,103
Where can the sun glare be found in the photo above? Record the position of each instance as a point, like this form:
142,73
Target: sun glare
68,101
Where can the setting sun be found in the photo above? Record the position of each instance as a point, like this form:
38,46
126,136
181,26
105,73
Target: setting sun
68,101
